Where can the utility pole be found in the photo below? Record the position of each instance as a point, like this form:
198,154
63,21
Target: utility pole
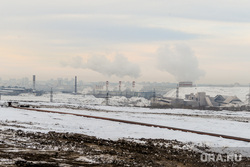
107,99
177,91
75,84
107,92
51,95
249,96
154,96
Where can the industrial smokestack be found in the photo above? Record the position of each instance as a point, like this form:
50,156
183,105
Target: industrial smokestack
107,86
75,84
133,85
120,84
34,82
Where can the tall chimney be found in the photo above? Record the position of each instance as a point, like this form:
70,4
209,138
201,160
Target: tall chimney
120,84
75,84
34,82
107,86
133,85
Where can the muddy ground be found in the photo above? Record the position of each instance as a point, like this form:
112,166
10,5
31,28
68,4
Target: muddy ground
19,148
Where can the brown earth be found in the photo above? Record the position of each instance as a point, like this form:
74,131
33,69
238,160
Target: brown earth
19,148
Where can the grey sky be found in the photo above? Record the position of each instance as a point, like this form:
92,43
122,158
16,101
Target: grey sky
37,36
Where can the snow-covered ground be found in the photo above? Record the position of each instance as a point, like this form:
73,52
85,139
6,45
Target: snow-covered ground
80,99
45,122
195,123
222,122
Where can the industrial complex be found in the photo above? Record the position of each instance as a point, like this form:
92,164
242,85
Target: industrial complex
199,100
107,90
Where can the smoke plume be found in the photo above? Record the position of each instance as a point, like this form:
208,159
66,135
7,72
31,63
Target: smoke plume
120,66
180,61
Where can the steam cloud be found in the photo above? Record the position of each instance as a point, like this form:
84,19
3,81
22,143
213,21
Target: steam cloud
180,61
119,67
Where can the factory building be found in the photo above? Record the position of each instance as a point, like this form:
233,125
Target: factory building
13,91
220,100
198,100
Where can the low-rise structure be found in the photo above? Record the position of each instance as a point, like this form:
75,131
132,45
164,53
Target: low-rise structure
198,100
220,100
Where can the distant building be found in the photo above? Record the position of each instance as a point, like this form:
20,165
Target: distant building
236,84
204,100
197,100
166,102
186,84
13,90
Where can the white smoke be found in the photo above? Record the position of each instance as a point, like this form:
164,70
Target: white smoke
180,61
120,66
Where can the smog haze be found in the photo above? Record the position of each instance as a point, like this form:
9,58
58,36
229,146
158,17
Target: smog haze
156,41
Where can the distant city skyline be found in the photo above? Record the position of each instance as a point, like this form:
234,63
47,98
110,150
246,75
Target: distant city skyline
206,42
28,82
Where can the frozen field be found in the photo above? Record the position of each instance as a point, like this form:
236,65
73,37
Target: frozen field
221,122
44,122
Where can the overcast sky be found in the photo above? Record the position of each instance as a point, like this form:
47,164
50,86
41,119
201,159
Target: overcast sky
143,40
